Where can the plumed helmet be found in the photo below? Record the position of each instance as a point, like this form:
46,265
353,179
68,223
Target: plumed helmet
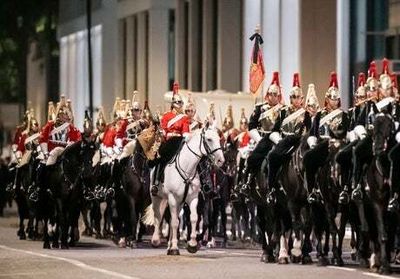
64,107
296,88
275,87
135,103
385,79
333,90
101,120
361,92
243,118
312,99
372,83
51,112
177,101
228,120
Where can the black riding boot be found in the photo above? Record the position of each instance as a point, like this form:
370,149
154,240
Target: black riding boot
34,191
156,180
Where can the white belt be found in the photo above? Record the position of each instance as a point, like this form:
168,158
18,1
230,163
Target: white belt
173,135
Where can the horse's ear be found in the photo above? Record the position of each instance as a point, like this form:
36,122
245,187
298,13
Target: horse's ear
207,125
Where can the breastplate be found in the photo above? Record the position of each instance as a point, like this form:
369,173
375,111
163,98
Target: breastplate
268,117
293,126
133,129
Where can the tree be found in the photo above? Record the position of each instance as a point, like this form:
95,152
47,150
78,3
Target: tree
21,23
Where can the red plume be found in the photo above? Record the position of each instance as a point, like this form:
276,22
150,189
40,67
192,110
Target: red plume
372,70
385,66
334,81
175,88
361,79
296,80
275,78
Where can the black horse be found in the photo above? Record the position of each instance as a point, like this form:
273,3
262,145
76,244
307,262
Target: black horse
132,179
382,224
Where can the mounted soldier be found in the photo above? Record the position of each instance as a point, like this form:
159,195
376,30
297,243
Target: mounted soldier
228,130
394,154
344,156
17,139
329,124
190,111
290,126
176,128
110,133
362,154
261,125
55,136
131,127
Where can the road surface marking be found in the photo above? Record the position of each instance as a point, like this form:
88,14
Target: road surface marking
342,268
22,274
73,262
378,275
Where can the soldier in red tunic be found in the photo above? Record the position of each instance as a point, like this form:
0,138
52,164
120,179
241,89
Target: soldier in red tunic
175,125
54,137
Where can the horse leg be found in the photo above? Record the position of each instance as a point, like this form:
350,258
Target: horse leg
46,237
159,205
192,244
341,233
307,245
224,221
133,220
174,208
296,252
382,239
363,244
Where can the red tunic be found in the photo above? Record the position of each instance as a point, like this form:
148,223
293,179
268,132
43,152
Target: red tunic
70,134
244,139
109,136
175,124
21,142
121,130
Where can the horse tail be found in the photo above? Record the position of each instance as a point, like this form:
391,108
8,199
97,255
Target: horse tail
148,216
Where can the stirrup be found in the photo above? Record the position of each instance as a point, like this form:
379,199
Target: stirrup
271,197
357,194
344,198
312,197
34,196
393,205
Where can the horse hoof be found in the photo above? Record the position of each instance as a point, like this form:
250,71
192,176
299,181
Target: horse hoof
283,260
339,261
55,245
64,246
173,252
364,263
295,259
322,261
353,257
192,249
133,244
306,260
385,269
155,243
46,245
22,236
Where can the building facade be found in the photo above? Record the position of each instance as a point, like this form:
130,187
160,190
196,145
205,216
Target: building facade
145,45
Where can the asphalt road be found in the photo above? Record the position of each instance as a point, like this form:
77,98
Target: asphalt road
102,259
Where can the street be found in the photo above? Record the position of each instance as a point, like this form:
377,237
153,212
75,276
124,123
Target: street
94,258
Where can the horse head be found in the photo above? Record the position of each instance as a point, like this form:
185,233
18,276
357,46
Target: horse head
383,128
230,154
211,146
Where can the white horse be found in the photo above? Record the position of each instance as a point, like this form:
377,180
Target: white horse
182,184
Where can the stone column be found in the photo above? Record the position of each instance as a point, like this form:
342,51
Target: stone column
289,44
141,55
271,31
130,57
158,55
209,51
194,73
180,43
343,51
229,46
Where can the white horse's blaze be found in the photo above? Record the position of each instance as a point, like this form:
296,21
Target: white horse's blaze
202,143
